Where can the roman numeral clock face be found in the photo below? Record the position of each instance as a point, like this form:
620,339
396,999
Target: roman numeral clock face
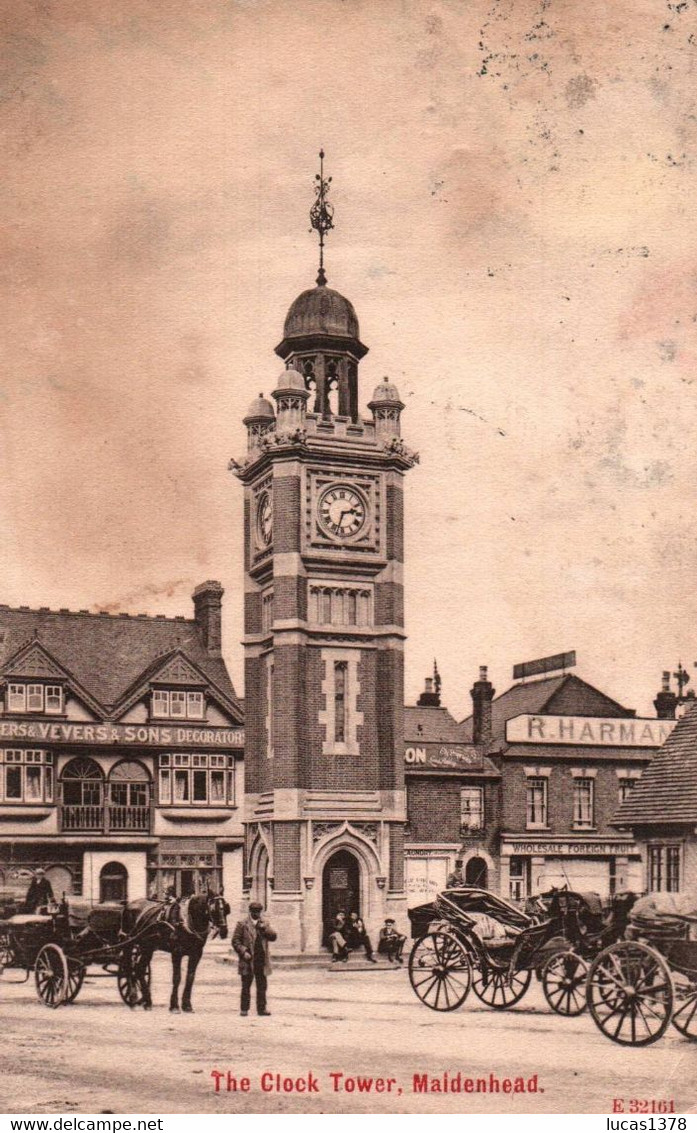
341,511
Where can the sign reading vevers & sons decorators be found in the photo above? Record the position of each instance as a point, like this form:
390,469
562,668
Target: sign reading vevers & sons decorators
442,755
155,735
591,730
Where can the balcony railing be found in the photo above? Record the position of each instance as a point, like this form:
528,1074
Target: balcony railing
89,819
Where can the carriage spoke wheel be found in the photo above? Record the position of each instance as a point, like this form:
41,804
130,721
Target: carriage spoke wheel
133,978
51,975
440,972
76,976
500,989
685,1014
564,983
630,994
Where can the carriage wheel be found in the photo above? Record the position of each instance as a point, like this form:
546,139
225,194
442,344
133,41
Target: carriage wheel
440,971
500,989
564,983
76,976
630,993
685,1015
51,975
132,979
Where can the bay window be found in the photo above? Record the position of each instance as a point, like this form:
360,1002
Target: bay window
26,776
190,779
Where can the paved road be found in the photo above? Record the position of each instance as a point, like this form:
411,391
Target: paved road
97,1055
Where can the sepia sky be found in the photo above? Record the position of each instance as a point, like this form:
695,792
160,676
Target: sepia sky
514,186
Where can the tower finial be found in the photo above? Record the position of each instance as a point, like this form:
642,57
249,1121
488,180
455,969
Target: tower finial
321,215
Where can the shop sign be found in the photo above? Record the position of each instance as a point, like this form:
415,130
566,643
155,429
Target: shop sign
571,849
441,755
589,730
154,735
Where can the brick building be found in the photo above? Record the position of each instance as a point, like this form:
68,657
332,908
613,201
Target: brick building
662,811
453,800
568,754
324,633
121,749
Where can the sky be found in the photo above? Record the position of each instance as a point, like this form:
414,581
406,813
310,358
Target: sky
514,187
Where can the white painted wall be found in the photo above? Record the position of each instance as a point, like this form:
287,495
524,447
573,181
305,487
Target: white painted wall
134,861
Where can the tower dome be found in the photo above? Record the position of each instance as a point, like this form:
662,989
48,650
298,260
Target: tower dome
290,379
320,310
260,407
386,391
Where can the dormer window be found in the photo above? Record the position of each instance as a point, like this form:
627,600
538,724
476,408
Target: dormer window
43,699
178,704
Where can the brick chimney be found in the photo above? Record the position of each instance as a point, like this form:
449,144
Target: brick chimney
666,702
482,694
208,600
430,697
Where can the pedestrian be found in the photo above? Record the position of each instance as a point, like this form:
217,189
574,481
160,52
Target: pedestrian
250,941
40,892
391,943
338,939
357,937
455,879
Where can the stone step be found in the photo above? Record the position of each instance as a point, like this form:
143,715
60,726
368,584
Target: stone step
305,960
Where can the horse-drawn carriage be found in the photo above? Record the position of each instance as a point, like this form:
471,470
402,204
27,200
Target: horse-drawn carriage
470,938
60,944
639,985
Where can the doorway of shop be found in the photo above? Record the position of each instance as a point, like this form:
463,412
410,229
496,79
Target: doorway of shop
476,872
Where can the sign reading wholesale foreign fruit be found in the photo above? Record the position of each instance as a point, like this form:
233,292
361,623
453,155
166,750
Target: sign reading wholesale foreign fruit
591,730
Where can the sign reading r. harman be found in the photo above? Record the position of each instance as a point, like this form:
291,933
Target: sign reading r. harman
591,730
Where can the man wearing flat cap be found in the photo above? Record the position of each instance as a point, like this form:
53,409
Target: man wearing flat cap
251,943
391,942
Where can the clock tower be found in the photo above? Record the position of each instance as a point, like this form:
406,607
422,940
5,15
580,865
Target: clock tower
324,629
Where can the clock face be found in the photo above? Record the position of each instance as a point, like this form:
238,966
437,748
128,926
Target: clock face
342,511
264,519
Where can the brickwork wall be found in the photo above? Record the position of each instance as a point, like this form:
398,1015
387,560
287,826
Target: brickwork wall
342,772
286,857
389,603
287,514
252,612
433,809
289,597
289,708
396,878
395,522
560,794
256,771
389,701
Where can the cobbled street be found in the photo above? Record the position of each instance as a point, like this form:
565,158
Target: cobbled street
97,1055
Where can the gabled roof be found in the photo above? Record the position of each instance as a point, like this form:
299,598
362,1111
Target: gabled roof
175,668
107,653
563,695
34,660
667,790
431,725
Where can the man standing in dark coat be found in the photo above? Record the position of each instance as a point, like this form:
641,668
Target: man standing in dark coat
251,943
39,893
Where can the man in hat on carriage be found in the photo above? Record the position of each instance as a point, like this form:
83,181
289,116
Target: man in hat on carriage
250,941
39,893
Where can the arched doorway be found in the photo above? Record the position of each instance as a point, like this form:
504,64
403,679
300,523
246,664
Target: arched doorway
61,881
476,872
341,886
113,882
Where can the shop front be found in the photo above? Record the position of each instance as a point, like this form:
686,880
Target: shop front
596,865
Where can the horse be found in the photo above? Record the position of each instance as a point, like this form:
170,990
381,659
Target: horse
178,927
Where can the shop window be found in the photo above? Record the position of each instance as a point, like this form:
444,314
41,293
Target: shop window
584,800
177,704
663,867
196,780
23,697
26,776
536,802
471,809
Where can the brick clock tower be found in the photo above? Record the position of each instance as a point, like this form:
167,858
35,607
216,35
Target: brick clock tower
324,629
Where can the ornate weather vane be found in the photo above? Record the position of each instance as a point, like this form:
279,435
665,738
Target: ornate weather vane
321,215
